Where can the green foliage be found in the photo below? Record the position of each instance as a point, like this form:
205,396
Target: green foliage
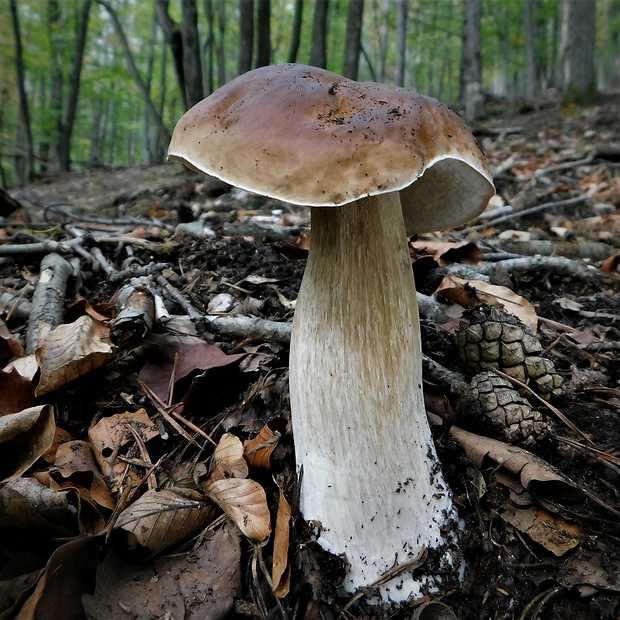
111,110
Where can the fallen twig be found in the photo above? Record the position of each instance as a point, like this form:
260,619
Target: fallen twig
48,298
529,211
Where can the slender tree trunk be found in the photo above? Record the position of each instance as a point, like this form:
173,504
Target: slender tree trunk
610,58
531,85
134,69
174,38
318,51
55,28
246,35
68,118
221,51
95,158
402,7
577,51
384,30
192,64
470,91
209,47
263,25
150,66
352,48
27,171
296,34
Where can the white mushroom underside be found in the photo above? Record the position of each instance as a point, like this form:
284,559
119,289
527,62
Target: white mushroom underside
370,471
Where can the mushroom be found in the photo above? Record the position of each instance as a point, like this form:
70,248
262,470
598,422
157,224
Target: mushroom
375,162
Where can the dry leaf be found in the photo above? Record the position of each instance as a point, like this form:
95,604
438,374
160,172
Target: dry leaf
26,366
76,459
16,392
280,573
551,531
29,503
80,499
244,502
258,450
69,574
70,351
110,436
611,265
161,519
468,293
183,362
10,344
203,585
534,473
446,252
228,459
24,437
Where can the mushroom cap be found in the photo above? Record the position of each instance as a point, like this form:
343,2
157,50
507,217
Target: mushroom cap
311,137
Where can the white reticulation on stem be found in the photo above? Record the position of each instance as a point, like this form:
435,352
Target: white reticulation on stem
370,472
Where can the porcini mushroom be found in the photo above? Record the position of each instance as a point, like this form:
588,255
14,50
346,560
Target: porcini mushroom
389,163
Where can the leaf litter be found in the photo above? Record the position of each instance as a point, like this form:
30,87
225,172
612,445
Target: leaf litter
153,475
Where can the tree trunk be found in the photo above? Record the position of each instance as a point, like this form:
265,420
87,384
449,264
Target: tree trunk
150,66
531,85
296,34
610,58
26,169
352,47
221,52
318,51
209,51
68,118
401,41
246,35
470,91
577,51
192,63
174,38
134,69
55,29
263,25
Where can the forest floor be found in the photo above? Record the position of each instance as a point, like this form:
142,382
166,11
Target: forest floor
109,413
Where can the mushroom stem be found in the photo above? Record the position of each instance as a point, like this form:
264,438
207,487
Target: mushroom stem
370,472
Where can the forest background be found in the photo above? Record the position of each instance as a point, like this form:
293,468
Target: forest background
86,84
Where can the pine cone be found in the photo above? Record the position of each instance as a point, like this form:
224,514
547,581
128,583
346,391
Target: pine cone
489,339
493,406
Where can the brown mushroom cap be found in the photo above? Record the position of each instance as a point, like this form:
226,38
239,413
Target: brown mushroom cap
311,137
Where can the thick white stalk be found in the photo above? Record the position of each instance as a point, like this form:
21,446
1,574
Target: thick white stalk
370,472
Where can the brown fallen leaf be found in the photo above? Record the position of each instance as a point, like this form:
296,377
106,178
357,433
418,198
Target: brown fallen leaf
16,392
69,574
90,520
446,252
182,361
203,585
258,450
553,532
533,473
27,502
70,351
24,437
228,459
245,502
468,293
109,439
159,520
10,344
611,265
75,460
281,570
